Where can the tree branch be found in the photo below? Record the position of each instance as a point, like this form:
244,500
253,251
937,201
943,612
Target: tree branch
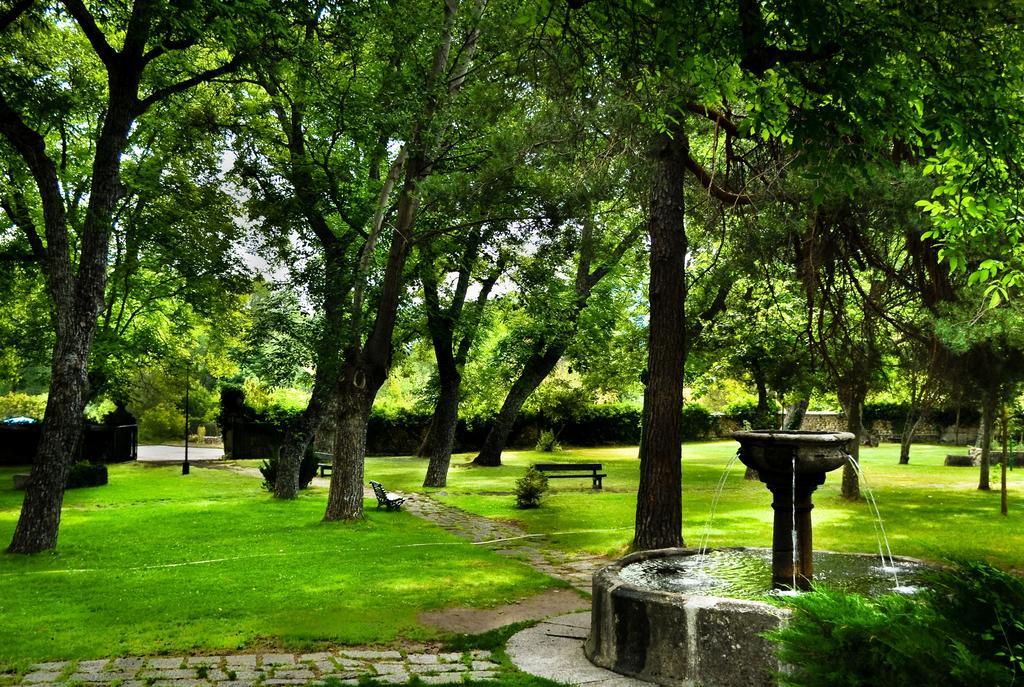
88,25
11,15
202,77
715,116
715,190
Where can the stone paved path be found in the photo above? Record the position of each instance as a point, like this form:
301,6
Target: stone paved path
345,666
508,540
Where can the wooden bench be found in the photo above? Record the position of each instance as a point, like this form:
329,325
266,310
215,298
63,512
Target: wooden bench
325,464
594,470
389,500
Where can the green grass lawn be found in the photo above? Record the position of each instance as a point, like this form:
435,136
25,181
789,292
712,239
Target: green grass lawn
160,563
928,510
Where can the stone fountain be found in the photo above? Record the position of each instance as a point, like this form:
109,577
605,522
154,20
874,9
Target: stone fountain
674,616
792,464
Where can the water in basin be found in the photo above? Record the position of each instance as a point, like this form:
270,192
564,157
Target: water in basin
747,574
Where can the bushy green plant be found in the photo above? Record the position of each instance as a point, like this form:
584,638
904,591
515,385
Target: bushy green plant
547,442
697,422
747,415
968,629
85,474
162,422
307,469
22,405
530,487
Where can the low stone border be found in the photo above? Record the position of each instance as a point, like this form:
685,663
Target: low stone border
343,666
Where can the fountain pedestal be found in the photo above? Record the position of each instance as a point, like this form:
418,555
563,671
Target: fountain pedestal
792,465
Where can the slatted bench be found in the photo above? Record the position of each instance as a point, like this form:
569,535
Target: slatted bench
577,470
325,463
385,498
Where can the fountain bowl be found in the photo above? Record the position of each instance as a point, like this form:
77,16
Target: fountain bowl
686,639
771,451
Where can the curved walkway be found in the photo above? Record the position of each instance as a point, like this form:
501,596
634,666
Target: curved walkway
508,540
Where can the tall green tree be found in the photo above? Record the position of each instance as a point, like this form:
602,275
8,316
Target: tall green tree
80,79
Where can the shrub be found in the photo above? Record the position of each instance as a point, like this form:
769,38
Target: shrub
547,442
84,474
697,422
307,469
22,405
161,422
530,487
747,415
967,630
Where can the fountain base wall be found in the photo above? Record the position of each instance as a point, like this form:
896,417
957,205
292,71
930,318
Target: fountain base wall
674,639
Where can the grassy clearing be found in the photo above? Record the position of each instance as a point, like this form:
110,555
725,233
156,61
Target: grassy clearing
928,510
160,563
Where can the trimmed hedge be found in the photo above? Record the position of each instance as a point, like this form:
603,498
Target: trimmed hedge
86,474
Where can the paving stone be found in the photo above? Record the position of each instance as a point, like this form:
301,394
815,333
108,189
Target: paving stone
93,666
56,666
453,657
217,675
243,675
204,660
436,668
181,683
480,653
42,676
484,665
372,655
281,681
342,675
173,674
389,668
300,674
319,656
278,659
482,675
442,678
235,683
129,663
422,658
393,678
349,662
240,660
94,677
165,662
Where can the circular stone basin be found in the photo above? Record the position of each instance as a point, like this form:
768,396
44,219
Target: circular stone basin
814,452
674,617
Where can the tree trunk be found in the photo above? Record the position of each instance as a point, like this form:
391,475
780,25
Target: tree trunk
659,496
794,417
39,521
303,430
855,425
763,416
988,415
446,418
426,446
1003,506
300,434
914,417
536,369
345,500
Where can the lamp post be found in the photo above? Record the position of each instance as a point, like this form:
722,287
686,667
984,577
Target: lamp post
185,466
